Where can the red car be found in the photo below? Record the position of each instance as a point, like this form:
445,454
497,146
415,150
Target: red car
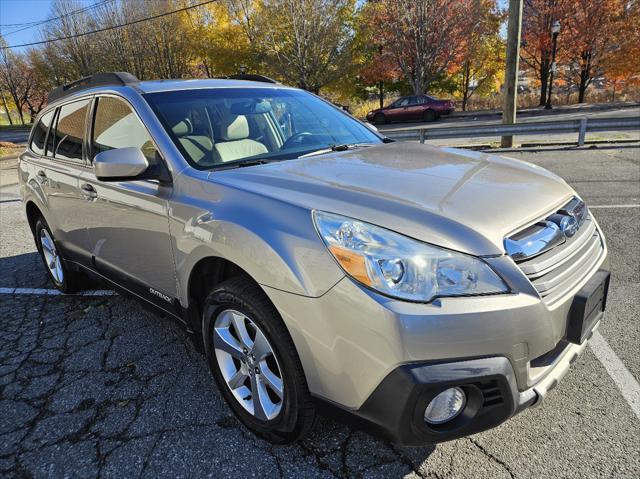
421,107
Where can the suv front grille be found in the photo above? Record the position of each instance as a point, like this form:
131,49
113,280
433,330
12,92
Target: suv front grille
557,270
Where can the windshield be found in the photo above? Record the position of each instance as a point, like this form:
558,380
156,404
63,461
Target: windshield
227,126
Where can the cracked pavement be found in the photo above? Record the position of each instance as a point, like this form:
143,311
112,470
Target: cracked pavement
98,386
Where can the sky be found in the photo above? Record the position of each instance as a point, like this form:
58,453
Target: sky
23,11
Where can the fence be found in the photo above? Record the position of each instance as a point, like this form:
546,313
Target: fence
580,126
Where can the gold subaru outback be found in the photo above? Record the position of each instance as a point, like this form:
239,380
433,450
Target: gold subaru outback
422,294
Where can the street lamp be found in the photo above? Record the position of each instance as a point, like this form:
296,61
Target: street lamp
555,30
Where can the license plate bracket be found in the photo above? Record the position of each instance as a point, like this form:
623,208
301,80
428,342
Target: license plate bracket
588,306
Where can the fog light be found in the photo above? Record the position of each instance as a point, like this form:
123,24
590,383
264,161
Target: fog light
445,406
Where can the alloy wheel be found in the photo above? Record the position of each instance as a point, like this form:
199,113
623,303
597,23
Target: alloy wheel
248,364
51,257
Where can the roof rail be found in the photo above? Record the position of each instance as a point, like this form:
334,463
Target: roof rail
252,77
98,79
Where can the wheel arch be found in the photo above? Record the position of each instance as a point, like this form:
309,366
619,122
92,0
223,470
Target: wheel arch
33,213
207,273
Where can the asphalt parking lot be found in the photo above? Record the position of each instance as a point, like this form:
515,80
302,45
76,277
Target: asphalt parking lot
97,386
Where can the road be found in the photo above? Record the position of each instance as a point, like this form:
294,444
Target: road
17,136
97,386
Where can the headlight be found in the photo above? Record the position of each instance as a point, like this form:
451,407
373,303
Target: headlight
403,267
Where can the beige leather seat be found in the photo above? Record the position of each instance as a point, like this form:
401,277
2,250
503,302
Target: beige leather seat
233,142
198,147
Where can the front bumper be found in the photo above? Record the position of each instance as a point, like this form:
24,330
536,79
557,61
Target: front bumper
395,409
354,342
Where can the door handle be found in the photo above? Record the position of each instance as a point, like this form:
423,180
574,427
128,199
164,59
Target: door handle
41,177
89,192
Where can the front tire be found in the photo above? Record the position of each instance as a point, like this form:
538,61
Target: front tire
255,363
64,279
379,119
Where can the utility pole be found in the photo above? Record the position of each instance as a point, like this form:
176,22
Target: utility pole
514,29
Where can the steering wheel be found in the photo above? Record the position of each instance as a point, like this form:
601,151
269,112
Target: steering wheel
297,139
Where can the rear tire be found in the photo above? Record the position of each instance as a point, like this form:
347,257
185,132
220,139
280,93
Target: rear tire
252,358
63,278
379,119
430,115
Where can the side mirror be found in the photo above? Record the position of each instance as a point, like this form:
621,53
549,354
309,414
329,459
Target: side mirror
120,164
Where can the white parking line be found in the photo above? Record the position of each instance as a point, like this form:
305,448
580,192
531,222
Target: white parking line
595,207
625,381
54,292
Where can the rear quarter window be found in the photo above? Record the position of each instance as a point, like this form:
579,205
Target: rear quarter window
40,133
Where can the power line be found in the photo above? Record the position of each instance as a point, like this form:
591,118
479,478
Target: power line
42,22
12,25
99,30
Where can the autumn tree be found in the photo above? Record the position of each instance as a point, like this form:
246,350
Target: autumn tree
221,42
77,53
13,80
591,39
157,48
621,64
39,80
538,17
423,37
483,58
379,66
307,43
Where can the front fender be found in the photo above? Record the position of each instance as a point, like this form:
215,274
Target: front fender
274,242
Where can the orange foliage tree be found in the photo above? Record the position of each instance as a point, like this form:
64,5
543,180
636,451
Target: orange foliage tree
538,17
594,42
621,65
417,39
482,61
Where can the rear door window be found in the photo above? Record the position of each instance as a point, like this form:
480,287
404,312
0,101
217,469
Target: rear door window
69,131
40,133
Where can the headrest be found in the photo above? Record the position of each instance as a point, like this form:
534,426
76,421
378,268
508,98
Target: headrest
182,128
234,128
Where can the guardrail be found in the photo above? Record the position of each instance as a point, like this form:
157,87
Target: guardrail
580,126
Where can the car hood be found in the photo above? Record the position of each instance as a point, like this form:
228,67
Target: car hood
458,199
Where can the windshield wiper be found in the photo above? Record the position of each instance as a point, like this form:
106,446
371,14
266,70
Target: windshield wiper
339,147
247,162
